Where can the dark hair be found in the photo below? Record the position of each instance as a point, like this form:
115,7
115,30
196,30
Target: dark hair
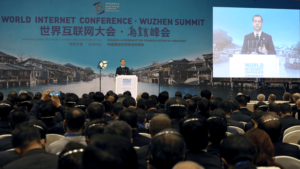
218,113
129,101
38,95
12,97
176,108
259,104
285,108
5,107
217,128
75,119
71,100
141,103
226,106
95,111
241,99
145,95
85,96
1,96
273,107
127,93
141,116
166,149
163,97
237,148
121,60
256,115
130,116
116,108
286,96
17,116
257,16
213,104
192,106
187,96
219,99
206,93
234,105
119,128
194,125
178,94
109,152
94,127
98,97
264,148
272,97
91,95
39,125
107,106
70,157
150,103
203,106
47,109
273,127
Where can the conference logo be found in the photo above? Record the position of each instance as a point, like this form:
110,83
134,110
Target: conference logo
99,8
126,82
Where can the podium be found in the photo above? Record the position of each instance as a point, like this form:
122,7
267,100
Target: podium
126,83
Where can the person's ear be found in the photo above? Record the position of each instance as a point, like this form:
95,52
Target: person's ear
131,140
43,142
225,162
87,140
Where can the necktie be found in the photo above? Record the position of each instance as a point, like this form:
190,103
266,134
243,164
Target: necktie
256,37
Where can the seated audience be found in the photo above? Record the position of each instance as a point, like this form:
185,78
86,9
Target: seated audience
162,98
74,123
192,106
127,93
71,99
187,96
130,116
265,152
236,114
213,105
166,149
141,104
243,105
71,156
5,108
271,98
226,106
31,139
221,114
260,104
271,124
273,108
98,97
203,107
95,111
255,116
109,152
286,96
287,119
119,128
141,121
261,97
94,127
178,94
195,132
206,94
129,102
151,108
176,109
107,111
116,108
145,95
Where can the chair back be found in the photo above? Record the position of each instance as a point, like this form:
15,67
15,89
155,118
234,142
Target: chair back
50,138
292,137
145,134
296,116
288,162
241,131
290,129
4,135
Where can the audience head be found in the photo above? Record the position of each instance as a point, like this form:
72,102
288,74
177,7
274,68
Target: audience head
95,111
71,156
17,116
166,149
226,106
285,109
242,100
109,152
219,113
107,107
23,99
187,96
93,128
271,124
261,97
217,127
139,96
286,96
141,116
178,94
127,93
1,96
257,105
203,106
176,108
129,102
194,129
5,107
271,98
130,116
163,97
47,111
213,104
206,94
192,106
116,108
98,97
12,97
145,95
237,148
187,165
85,96
71,100
151,103
141,104
119,128
74,120
91,95
255,116
273,108
296,96
159,123
235,106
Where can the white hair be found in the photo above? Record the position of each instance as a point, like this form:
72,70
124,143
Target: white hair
22,91
261,97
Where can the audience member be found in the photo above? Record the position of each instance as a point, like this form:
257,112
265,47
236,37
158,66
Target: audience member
130,116
286,116
273,108
119,128
127,93
221,114
141,104
286,96
151,108
271,124
74,123
178,94
187,165
206,94
107,111
93,128
203,107
98,97
261,97
236,114
117,107
213,105
187,96
95,111
145,95
71,156
255,116
5,107
243,105
257,105
192,106
129,102
167,148
271,98
226,106
162,98
176,109
141,121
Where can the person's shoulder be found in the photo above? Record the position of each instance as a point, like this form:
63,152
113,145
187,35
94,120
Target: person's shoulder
265,34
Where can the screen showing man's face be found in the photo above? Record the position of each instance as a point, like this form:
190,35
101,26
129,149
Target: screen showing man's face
122,62
257,23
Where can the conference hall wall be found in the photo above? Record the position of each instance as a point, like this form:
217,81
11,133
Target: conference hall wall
171,45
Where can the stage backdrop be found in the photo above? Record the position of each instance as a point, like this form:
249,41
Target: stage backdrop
58,44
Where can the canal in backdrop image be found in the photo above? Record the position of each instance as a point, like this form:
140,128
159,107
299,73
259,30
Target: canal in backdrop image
107,83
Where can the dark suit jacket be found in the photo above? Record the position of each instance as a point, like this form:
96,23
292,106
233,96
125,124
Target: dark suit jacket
249,126
295,110
245,111
288,121
161,108
285,149
231,122
6,143
139,140
36,158
238,116
203,158
142,156
120,71
53,127
265,39
8,157
150,114
175,124
4,127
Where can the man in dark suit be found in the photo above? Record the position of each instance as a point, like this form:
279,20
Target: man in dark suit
122,70
287,119
236,114
260,42
271,124
225,105
243,105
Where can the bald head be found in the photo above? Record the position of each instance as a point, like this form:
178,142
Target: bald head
240,94
296,96
159,123
261,97
271,124
187,165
